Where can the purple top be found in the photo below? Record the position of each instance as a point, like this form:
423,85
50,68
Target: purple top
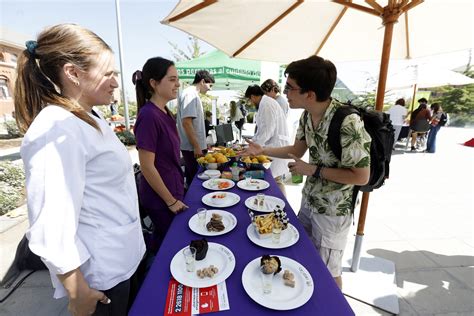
155,131
327,299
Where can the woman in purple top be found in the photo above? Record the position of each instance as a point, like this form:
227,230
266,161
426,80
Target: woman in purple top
158,144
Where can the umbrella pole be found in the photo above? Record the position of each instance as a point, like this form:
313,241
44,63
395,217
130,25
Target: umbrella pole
413,98
387,44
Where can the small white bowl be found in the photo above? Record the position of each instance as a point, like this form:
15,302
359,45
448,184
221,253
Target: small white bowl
219,201
213,174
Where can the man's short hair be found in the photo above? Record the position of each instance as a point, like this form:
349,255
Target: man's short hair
270,85
203,74
400,102
253,90
422,100
314,74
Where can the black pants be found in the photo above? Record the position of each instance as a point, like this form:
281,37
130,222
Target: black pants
191,166
119,295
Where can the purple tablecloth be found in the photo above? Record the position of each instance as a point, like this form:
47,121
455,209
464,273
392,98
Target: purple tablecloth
327,299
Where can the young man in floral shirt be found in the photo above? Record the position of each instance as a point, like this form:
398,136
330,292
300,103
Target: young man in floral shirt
327,194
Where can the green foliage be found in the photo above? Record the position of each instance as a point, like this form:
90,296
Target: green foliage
250,116
12,179
193,50
367,100
456,99
132,110
461,120
12,129
127,138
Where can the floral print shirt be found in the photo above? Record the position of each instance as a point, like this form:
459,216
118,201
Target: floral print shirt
321,195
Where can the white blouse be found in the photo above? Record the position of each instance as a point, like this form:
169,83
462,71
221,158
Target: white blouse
272,131
82,200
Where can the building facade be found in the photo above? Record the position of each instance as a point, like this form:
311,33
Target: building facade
10,49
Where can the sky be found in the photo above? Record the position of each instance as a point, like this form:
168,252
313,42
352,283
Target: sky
143,36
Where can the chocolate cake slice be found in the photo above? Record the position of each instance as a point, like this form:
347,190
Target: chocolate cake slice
201,248
271,264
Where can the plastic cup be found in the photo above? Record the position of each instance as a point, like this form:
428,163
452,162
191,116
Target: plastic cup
248,180
260,201
190,258
267,281
201,213
276,233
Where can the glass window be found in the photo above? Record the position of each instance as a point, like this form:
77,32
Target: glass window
4,94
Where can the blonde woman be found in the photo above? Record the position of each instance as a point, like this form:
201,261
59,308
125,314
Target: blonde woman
82,200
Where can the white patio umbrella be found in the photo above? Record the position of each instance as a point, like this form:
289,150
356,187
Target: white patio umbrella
340,30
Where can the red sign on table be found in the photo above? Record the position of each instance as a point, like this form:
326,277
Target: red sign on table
185,301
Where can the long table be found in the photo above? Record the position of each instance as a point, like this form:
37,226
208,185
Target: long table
327,299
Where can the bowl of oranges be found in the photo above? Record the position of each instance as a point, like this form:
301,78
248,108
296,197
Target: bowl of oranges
226,151
260,162
213,161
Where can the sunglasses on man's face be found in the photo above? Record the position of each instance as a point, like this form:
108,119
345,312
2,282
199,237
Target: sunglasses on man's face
290,88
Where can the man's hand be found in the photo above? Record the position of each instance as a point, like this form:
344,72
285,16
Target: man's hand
197,152
300,167
254,149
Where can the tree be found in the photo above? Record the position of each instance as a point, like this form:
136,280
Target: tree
193,50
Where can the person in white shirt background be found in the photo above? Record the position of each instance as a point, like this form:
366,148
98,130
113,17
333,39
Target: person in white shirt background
81,193
271,129
398,115
272,90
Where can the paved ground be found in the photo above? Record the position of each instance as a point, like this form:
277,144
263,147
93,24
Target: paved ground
421,220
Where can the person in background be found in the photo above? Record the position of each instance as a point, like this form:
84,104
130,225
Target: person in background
236,116
271,129
208,122
271,89
114,108
435,127
162,193
190,119
81,193
398,114
420,114
327,194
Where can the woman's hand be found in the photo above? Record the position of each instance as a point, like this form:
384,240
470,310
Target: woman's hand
300,167
82,299
177,207
254,149
84,302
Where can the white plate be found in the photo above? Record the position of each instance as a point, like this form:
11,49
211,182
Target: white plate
202,176
282,297
269,203
288,237
228,219
218,255
256,185
213,184
230,199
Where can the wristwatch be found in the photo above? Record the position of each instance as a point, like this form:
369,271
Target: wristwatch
317,173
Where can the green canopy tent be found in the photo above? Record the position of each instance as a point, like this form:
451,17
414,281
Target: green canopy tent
229,73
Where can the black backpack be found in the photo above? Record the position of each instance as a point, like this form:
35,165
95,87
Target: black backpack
443,119
380,129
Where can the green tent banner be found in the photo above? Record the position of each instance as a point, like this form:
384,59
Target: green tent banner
229,73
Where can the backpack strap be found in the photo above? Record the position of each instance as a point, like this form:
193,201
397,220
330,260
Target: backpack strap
334,131
334,140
